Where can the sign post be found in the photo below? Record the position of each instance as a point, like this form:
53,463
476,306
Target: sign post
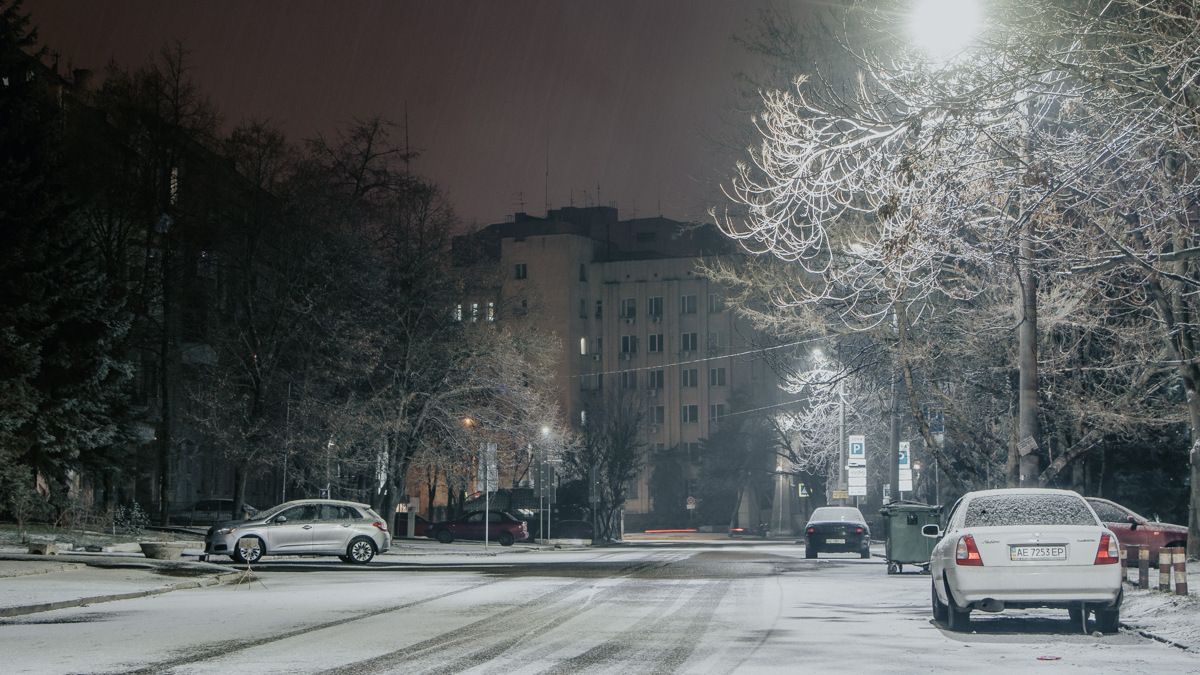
905,462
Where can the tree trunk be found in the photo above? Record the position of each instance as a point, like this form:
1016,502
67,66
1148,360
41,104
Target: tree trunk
1027,355
239,490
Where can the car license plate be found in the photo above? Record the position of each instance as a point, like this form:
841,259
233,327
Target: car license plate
835,541
1037,552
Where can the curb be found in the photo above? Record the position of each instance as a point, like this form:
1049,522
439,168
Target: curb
1157,638
216,580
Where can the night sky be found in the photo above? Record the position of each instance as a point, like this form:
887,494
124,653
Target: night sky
630,95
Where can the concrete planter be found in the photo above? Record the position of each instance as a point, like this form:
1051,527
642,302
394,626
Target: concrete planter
163,550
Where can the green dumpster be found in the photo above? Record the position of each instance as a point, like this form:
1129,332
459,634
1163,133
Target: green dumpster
904,543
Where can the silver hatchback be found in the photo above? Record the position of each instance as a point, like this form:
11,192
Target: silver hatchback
349,530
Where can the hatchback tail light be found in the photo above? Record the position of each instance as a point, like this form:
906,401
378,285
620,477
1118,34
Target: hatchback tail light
967,553
1109,551
381,525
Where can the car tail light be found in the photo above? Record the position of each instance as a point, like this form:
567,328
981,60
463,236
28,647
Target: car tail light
967,553
858,530
381,525
811,530
1109,552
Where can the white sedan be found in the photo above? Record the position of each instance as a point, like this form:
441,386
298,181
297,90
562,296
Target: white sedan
1025,547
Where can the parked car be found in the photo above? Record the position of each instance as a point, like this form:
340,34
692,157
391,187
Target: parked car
349,530
1024,547
209,511
502,528
837,529
420,526
571,529
1133,529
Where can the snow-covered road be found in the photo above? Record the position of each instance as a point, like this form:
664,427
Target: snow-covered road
685,608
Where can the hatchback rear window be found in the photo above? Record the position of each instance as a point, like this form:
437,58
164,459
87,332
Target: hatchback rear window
1027,509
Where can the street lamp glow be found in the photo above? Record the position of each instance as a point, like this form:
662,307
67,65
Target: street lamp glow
943,28
545,431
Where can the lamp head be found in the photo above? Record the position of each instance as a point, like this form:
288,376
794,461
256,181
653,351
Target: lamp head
944,28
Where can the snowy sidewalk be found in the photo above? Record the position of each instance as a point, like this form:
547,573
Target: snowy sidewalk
30,584
1166,616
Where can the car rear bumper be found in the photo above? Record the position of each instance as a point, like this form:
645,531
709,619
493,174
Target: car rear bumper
851,542
1036,587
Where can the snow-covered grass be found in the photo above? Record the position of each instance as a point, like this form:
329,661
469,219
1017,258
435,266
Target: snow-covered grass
1166,615
11,538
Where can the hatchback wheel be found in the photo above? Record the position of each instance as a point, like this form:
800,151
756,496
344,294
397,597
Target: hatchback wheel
505,539
251,553
360,551
444,536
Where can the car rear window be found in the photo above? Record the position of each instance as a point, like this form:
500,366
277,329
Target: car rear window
1027,509
842,513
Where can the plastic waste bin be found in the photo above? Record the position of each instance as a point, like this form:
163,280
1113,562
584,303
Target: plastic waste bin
904,543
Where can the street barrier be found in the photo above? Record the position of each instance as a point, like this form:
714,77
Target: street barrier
1171,562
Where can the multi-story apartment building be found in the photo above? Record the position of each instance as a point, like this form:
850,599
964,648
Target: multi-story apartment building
631,311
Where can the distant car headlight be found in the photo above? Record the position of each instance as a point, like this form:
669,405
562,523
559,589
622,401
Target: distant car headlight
226,530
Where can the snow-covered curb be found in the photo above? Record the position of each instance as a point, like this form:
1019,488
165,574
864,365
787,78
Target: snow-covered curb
1165,616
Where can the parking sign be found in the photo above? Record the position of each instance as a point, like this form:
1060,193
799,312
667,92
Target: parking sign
858,450
905,459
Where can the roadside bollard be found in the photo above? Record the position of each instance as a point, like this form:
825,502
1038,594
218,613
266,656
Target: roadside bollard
1165,562
1143,567
1180,565
1131,557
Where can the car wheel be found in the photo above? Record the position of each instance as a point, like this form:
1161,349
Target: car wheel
865,553
505,539
360,551
893,568
1108,620
249,554
810,551
939,610
957,620
444,536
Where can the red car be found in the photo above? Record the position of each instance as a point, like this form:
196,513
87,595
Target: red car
502,528
1133,529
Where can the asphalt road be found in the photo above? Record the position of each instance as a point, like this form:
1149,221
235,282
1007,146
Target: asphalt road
735,607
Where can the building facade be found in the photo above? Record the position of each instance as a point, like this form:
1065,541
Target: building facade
631,311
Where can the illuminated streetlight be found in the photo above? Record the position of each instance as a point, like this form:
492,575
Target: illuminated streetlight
943,28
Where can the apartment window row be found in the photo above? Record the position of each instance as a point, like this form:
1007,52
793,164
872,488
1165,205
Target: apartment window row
486,311
688,377
628,309
688,413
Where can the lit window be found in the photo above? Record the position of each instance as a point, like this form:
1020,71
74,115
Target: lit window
474,311
458,312
491,312
583,345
